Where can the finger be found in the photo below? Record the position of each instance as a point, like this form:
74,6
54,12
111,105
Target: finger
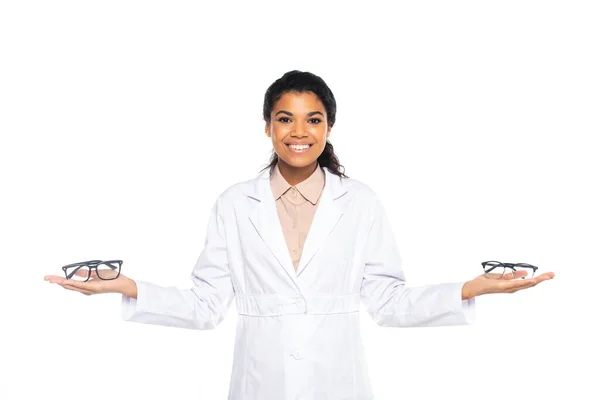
59,279
106,275
546,276
512,286
515,275
541,278
73,288
82,272
54,278
68,287
508,285
83,286
534,281
522,287
493,275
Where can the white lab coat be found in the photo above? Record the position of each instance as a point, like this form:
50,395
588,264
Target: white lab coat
298,333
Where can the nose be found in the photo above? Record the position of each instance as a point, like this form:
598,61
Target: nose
299,130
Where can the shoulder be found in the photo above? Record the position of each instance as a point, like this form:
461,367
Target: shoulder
358,188
360,192
365,198
238,190
244,190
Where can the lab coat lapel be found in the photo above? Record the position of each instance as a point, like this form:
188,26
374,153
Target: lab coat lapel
265,219
326,217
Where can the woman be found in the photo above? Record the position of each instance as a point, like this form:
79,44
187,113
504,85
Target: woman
297,289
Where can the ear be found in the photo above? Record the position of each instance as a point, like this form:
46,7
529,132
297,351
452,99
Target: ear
267,130
328,132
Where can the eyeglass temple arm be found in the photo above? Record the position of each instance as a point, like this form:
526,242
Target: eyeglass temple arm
533,267
70,275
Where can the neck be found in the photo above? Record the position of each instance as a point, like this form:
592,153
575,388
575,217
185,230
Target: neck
295,175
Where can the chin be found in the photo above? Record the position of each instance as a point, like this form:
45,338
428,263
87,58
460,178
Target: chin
298,161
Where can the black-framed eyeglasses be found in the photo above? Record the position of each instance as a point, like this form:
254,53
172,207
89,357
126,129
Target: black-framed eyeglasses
498,270
105,270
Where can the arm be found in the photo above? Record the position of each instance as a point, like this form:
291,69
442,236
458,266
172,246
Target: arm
390,302
203,306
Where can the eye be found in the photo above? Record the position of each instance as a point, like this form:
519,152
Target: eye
282,119
315,119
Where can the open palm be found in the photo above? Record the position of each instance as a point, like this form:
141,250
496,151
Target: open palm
508,283
94,285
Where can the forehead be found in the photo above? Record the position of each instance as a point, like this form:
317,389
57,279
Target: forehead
301,102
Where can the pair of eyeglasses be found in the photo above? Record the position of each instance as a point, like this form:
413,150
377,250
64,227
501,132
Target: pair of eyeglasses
105,270
498,270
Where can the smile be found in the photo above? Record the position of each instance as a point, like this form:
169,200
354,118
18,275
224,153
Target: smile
298,148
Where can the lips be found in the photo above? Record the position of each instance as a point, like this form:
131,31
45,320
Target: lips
299,151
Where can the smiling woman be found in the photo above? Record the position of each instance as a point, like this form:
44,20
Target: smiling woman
299,247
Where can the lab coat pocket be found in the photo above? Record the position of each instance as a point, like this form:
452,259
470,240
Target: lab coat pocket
263,349
329,354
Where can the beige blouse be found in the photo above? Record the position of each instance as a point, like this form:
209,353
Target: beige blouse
296,206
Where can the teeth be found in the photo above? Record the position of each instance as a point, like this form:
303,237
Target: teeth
299,147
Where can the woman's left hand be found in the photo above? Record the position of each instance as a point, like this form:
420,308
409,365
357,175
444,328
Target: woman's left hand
506,284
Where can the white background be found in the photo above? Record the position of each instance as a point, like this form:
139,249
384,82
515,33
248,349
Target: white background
476,123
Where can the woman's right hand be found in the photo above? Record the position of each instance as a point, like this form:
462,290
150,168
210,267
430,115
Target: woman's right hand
95,285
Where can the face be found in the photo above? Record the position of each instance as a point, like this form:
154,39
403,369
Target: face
298,118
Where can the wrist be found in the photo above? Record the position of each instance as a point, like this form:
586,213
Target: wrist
467,291
129,288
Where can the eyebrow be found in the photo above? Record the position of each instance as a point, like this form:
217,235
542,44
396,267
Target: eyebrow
310,114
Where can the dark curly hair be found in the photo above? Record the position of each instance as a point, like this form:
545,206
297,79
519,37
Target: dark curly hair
298,81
